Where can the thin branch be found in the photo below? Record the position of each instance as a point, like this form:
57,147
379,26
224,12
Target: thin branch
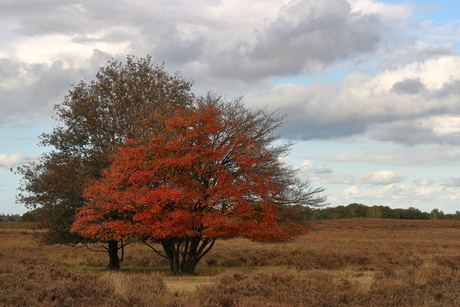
154,249
95,250
207,250
122,252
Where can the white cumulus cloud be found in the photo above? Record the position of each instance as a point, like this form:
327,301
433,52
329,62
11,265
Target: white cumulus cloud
325,175
309,166
424,182
12,160
417,103
380,177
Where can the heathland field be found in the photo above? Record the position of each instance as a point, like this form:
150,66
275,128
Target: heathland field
350,262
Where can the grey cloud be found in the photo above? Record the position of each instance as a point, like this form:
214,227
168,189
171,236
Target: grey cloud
435,51
172,48
402,156
408,86
37,87
8,69
99,59
43,17
412,131
404,131
447,90
146,25
451,182
409,111
15,104
300,129
311,112
306,33
68,17
306,36
219,54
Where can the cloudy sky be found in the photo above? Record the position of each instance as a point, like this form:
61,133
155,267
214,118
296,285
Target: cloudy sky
371,88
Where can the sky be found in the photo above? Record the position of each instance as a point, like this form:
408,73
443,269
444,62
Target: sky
371,89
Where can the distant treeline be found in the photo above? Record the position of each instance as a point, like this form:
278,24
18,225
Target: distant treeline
340,212
29,216
9,217
378,212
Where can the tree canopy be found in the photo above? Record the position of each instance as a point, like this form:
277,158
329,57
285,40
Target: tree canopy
208,174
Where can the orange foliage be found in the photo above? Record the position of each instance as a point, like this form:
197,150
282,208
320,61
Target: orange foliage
199,177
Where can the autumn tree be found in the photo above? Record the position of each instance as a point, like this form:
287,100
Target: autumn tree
95,118
212,173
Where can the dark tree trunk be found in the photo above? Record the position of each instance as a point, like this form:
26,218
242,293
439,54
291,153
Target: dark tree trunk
184,254
114,260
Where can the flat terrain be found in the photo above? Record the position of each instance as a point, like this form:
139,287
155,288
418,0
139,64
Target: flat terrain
351,262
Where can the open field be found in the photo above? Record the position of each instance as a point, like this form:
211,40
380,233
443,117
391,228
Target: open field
354,262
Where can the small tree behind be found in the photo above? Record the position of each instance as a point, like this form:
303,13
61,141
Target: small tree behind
95,118
211,173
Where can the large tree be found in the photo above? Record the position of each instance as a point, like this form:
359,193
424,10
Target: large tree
95,118
206,172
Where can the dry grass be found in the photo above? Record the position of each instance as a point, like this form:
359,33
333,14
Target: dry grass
186,284
356,262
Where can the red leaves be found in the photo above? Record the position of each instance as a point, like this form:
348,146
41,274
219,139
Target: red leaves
199,177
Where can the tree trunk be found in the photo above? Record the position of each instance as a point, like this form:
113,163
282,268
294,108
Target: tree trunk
184,254
114,260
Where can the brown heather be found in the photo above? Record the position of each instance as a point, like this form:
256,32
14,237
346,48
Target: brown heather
354,262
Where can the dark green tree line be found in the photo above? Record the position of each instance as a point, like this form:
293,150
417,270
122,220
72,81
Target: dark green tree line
362,211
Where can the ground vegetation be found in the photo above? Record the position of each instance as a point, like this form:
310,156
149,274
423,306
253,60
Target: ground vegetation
343,262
